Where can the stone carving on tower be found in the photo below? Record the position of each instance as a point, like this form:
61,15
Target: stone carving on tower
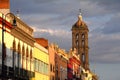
80,41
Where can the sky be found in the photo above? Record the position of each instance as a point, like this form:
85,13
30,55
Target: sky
53,20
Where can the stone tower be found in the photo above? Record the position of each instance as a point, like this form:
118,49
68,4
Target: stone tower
80,41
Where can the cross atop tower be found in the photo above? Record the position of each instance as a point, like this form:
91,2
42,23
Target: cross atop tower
80,15
80,12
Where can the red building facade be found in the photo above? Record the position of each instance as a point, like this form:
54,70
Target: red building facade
73,67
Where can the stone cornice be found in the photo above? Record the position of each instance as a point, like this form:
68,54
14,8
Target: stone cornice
20,34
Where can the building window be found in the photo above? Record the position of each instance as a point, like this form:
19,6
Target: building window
47,69
83,58
52,77
51,67
83,36
23,54
77,44
15,56
83,43
4,50
27,58
19,56
31,61
40,62
27,54
42,67
77,36
36,65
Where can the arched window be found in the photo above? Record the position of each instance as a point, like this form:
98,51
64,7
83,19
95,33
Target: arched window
19,56
77,36
27,60
31,54
83,36
27,54
23,54
83,43
83,58
31,61
19,50
23,51
14,45
15,57
77,44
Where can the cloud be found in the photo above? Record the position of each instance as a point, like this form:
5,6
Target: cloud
53,19
60,37
112,26
43,1
55,32
105,48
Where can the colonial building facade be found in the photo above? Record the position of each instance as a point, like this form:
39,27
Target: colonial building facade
41,62
52,51
18,50
61,60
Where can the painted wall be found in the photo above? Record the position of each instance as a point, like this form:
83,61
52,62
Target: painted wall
41,64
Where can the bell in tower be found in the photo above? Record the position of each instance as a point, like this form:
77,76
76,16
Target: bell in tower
80,41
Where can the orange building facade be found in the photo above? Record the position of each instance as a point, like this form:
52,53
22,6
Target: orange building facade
51,50
4,6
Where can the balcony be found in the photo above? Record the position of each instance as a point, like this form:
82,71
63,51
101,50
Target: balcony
17,73
23,74
30,74
10,72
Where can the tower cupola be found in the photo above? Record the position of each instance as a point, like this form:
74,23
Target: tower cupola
80,23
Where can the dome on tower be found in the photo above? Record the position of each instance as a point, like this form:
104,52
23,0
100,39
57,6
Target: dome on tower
80,24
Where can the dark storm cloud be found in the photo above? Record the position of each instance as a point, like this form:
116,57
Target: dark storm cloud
104,48
43,1
100,7
41,6
110,4
89,7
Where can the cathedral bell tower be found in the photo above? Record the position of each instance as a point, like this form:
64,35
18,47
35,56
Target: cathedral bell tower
80,41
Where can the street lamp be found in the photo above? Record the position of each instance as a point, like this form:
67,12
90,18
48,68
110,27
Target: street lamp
3,44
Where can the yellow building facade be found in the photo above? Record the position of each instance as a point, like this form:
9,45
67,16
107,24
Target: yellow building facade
41,62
